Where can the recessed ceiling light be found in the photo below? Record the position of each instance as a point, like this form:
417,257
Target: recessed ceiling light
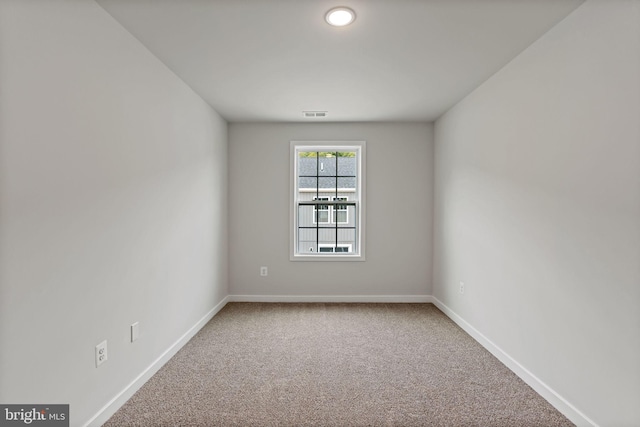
340,16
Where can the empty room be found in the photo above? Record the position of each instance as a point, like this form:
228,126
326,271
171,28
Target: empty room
322,213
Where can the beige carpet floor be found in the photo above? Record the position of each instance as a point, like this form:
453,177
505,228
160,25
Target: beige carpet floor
260,364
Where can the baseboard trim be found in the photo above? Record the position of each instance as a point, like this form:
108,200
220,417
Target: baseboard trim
114,404
333,298
560,403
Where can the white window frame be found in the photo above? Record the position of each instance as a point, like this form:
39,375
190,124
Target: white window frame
360,148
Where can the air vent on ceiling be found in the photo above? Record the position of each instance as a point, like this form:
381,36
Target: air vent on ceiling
312,114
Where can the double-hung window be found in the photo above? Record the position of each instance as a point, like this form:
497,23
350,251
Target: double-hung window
327,200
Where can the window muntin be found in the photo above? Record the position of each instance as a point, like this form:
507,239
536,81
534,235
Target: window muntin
327,202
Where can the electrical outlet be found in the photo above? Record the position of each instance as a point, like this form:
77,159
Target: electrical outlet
101,353
462,287
135,331
264,271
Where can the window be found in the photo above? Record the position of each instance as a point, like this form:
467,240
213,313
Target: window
321,212
327,200
325,214
340,212
323,248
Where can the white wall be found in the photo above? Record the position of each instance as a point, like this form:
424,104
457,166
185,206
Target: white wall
537,210
398,227
112,205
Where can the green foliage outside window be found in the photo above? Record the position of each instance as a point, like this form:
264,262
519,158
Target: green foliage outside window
326,154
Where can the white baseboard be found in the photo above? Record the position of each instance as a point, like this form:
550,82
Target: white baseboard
561,404
110,408
332,298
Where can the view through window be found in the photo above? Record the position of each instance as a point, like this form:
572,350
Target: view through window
327,200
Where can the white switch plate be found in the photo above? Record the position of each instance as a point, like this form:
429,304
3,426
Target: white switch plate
135,331
462,287
101,353
264,271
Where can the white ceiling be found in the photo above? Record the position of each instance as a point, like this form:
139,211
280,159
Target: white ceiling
401,60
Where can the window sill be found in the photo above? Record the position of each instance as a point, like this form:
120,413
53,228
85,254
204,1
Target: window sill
324,258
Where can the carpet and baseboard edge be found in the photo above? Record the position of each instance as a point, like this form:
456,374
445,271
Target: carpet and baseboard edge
558,402
334,298
561,404
114,404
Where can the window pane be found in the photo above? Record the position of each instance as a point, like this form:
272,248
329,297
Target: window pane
334,248
327,164
327,183
340,212
347,164
345,217
327,235
305,216
347,183
307,163
307,235
346,235
322,216
309,248
305,182
321,212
